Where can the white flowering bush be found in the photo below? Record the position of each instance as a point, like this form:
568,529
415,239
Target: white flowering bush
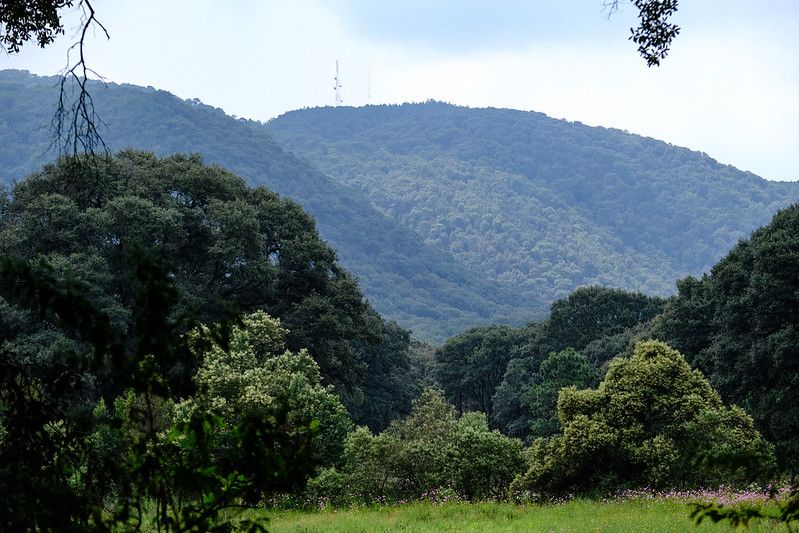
257,375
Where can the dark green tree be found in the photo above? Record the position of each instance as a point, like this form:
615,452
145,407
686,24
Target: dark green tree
560,370
390,382
590,313
225,244
511,415
69,467
740,325
471,365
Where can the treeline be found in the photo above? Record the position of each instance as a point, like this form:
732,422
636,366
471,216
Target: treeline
176,346
737,325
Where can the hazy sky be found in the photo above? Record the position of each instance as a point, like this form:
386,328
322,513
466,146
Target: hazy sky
730,86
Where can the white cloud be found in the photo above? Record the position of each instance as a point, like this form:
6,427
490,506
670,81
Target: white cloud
728,88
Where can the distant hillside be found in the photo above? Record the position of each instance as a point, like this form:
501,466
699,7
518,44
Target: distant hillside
539,205
424,289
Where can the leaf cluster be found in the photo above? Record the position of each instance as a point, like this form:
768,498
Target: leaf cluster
655,33
23,20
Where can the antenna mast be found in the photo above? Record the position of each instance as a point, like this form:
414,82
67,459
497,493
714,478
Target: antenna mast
337,86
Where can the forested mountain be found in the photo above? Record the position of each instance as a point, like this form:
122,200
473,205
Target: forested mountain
407,280
449,217
539,205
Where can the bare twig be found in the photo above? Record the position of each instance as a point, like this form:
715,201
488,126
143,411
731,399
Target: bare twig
76,122
610,6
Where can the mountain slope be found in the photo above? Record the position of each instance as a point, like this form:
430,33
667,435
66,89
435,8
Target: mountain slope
405,279
541,205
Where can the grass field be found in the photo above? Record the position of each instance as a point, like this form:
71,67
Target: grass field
634,516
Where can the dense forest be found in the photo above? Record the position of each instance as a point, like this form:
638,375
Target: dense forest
226,244
182,350
177,345
419,286
539,205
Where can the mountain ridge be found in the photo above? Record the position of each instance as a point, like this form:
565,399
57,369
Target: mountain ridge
421,287
450,217
571,205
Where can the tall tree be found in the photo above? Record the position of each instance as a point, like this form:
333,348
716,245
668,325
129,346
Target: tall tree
224,242
471,365
558,371
740,325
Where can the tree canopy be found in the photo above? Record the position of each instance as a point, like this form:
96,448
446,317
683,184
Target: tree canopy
470,366
598,322
558,371
653,421
537,205
226,244
739,324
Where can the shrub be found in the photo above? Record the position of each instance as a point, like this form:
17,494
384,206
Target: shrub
430,451
652,421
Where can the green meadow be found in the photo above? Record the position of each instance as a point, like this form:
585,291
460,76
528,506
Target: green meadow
633,516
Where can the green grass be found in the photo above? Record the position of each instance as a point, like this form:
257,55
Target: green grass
634,516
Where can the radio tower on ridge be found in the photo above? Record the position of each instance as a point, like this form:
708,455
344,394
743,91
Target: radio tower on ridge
337,87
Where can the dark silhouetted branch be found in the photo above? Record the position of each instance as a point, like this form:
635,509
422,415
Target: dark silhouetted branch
654,33
76,122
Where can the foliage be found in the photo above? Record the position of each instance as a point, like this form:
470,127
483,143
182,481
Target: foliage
40,449
590,313
70,468
422,357
226,244
655,33
193,489
510,414
469,366
390,382
652,422
429,452
22,20
256,375
599,322
560,370
483,463
740,324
